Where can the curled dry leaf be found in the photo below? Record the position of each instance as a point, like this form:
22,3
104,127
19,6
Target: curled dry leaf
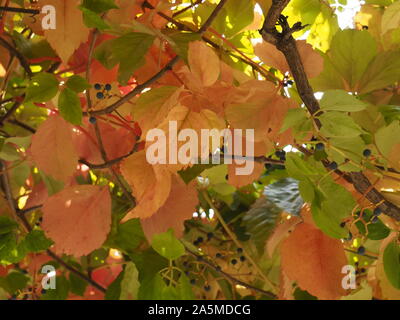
314,261
52,149
78,219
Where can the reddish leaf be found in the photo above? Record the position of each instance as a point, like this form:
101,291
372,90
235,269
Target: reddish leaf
52,148
315,261
78,219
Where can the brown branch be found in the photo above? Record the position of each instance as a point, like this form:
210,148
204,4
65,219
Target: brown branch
108,163
285,43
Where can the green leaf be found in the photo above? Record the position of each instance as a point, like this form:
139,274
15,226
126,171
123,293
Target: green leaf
36,241
376,231
69,105
99,6
387,137
300,169
13,282
114,289
391,17
7,225
329,210
130,283
239,14
155,288
93,20
285,194
130,50
42,88
297,120
167,245
60,292
127,236
77,83
338,124
391,263
184,288
390,113
382,71
77,284
340,100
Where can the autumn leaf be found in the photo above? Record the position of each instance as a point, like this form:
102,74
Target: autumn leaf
52,148
150,185
70,30
314,261
78,219
117,142
270,55
204,63
178,207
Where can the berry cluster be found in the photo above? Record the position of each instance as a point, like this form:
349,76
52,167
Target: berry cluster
103,91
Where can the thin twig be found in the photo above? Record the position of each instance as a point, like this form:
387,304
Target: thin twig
16,53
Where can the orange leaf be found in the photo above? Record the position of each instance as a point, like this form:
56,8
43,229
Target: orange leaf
52,148
70,30
315,261
204,63
270,55
179,207
78,219
150,185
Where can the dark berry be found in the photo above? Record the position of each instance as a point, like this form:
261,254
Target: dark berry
207,288
218,268
196,243
363,270
210,235
200,239
280,153
361,250
242,258
268,166
377,211
185,263
367,152
333,165
100,95
192,281
290,82
342,224
43,291
218,255
97,86
320,146
239,250
233,261
92,120
107,87
187,273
